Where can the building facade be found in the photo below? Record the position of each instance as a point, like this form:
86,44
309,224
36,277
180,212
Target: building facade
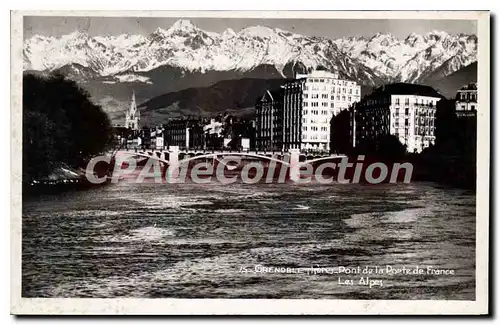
325,96
133,116
268,121
406,111
466,100
185,133
298,115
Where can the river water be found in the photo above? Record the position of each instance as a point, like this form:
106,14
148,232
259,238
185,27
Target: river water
233,241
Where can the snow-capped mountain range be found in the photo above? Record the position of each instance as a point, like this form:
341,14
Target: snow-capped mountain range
129,58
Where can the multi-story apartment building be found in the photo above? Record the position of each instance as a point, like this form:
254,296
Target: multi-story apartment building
325,95
404,110
298,115
269,121
466,100
185,133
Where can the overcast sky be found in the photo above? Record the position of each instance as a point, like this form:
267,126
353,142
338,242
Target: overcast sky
331,28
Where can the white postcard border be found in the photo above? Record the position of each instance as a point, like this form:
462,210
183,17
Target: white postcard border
172,306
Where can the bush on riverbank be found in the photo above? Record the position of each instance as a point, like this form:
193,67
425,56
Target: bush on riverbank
61,126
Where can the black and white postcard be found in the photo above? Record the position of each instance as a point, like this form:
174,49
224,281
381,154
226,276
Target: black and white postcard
250,162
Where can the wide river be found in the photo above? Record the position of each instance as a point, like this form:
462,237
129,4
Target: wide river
235,241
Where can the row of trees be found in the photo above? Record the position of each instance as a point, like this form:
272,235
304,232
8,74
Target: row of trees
61,126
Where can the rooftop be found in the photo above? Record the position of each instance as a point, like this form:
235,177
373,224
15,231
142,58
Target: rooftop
318,74
402,88
471,86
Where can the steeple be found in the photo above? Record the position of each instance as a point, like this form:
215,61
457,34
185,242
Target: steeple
133,116
133,106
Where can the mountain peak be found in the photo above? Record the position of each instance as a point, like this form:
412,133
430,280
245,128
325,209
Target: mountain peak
159,30
258,31
437,34
78,34
183,25
229,32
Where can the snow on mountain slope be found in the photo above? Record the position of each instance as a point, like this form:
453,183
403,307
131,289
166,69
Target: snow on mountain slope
185,46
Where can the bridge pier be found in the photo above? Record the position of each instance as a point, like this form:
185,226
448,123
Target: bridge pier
173,159
294,164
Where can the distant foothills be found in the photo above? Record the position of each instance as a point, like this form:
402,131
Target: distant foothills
185,70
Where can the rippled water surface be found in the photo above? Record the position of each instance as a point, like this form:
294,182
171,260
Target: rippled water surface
192,241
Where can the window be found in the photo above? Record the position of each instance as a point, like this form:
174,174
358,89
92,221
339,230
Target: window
304,128
407,111
350,90
343,90
343,98
406,122
332,105
314,104
356,91
306,112
397,101
304,120
324,96
314,96
349,98
306,95
332,98
407,101
305,104
333,90
338,97
473,107
321,80
324,104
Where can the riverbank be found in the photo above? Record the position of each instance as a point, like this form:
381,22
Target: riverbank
62,179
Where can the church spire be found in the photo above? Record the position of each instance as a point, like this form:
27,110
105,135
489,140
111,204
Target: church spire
133,106
132,117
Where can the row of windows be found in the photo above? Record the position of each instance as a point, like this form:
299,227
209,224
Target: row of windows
315,112
339,90
468,96
315,128
314,137
325,96
325,104
422,101
332,81
316,104
315,121
472,107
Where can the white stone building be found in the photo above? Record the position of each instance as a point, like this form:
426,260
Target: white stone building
324,95
404,110
466,100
